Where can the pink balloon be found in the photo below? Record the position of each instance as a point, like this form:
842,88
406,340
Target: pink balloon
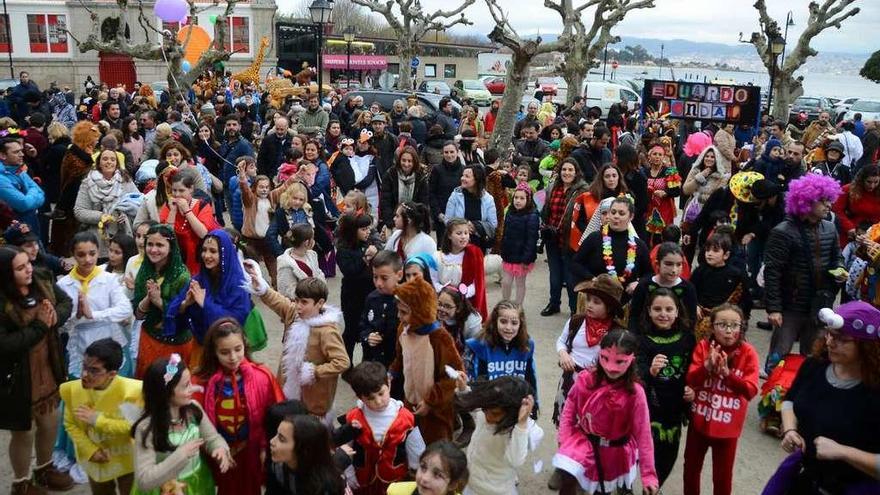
171,10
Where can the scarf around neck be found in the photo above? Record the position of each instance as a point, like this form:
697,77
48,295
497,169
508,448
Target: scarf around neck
84,281
595,330
103,191
405,186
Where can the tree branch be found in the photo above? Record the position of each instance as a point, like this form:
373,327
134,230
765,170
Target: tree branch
837,20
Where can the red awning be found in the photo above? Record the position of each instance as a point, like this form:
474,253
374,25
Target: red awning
358,62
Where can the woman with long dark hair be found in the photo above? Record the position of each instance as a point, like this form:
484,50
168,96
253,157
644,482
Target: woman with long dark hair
859,204
32,367
404,182
472,202
191,218
300,452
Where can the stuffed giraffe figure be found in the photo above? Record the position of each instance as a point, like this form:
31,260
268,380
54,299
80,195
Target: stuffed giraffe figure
252,73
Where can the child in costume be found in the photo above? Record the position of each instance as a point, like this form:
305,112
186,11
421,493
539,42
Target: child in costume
169,436
99,411
461,262
605,432
717,282
724,376
424,350
666,342
504,433
458,317
378,323
664,185
298,262
670,258
387,442
314,354
236,395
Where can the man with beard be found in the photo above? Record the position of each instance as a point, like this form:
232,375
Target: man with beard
530,118
815,129
112,114
233,148
385,143
591,157
445,119
585,132
794,163
117,95
530,150
491,116
315,119
273,146
832,166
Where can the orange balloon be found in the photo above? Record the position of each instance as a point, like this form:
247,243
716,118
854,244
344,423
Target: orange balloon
199,42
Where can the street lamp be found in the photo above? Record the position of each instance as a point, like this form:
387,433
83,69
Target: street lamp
789,21
322,13
348,36
777,46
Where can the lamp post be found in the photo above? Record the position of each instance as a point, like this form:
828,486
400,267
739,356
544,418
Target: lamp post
777,46
660,75
789,21
321,12
348,36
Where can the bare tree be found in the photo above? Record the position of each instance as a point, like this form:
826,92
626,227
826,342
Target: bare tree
345,14
523,50
411,23
158,44
831,13
587,43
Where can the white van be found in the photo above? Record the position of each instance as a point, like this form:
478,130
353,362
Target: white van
603,94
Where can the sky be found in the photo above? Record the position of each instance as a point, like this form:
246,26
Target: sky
717,21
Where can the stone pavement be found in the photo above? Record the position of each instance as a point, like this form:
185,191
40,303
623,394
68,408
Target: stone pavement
757,457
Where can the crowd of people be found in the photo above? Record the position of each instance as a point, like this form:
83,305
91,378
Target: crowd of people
140,234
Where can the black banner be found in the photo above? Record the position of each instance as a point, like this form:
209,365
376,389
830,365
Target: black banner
702,101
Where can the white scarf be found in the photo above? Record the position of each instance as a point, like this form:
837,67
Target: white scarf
102,191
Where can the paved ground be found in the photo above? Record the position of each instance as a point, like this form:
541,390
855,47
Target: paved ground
758,454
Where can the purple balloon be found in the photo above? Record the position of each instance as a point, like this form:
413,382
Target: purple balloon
171,10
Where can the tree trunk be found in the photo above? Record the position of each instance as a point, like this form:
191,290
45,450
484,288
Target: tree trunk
575,71
406,51
517,74
786,89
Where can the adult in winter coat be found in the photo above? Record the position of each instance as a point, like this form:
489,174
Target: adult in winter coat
17,189
59,141
859,203
432,151
404,182
273,146
725,142
555,230
707,175
97,203
801,254
471,202
444,178
359,170
32,367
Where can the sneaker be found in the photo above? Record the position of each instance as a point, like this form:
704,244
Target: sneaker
52,479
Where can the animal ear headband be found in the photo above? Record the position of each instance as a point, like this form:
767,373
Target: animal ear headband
467,291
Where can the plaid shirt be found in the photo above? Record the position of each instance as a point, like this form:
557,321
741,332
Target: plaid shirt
557,207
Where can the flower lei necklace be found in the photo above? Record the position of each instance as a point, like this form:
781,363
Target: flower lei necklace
630,253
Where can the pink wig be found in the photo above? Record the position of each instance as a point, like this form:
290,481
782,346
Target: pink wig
804,192
696,143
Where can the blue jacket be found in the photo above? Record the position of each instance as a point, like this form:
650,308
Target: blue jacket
23,195
231,152
455,209
322,186
519,243
236,212
490,363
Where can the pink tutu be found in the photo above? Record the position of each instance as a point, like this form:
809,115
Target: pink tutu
517,269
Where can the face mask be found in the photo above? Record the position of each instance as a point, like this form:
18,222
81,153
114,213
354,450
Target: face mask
609,358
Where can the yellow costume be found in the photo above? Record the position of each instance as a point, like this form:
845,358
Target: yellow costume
118,407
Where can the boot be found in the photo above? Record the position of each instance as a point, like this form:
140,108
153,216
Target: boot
50,478
555,480
467,430
26,487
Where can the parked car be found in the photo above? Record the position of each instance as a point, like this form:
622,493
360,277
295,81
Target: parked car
430,102
475,90
811,105
8,83
436,87
603,94
840,107
870,110
495,84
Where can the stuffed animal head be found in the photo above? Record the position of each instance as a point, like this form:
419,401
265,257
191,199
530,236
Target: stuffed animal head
85,135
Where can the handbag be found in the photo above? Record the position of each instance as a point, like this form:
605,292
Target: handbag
255,331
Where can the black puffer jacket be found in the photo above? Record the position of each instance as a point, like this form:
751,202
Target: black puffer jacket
520,241
788,277
388,199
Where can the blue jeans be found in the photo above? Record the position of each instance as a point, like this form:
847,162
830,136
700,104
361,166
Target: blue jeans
560,264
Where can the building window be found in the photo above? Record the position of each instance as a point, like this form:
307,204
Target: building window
5,43
430,70
47,33
239,33
449,71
